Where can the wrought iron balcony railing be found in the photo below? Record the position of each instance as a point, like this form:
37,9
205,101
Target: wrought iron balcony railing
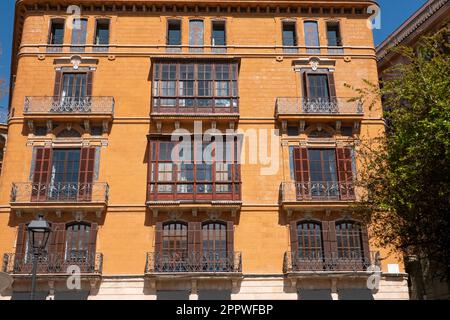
316,261
29,192
191,191
318,106
53,263
69,105
318,191
193,262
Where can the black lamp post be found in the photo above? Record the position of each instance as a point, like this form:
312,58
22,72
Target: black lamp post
38,234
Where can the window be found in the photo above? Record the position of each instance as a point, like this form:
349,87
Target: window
102,34
196,34
174,250
56,37
334,38
318,86
174,34
322,166
193,178
194,246
74,85
79,35
319,92
312,37
218,36
63,174
214,243
289,37
214,237
310,246
77,242
188,85
325,174
349,240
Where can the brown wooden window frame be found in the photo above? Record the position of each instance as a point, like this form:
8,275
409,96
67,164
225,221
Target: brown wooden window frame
290,48
219,48
209,79
42,188
331,86
98,47
345,172
55,259
335,255
194,189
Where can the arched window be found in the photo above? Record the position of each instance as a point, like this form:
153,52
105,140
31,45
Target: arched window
349,240
77,241
214,237
310,245
175,237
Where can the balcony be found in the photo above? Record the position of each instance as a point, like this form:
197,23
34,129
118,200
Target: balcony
194,264
29,196
195,107
316,263
327,193
318,108
101,108
222,194
52,264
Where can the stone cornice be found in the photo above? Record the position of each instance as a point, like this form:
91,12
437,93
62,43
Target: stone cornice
409,27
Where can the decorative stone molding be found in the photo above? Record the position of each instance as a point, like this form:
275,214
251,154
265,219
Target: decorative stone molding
175,215
314,63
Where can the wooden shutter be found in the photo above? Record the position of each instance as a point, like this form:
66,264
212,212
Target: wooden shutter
57,245
90,78
58,80
41,175
194,237
301,167
294,239
332,86
158,237
365,245
86,174
230,236
305,86
194,258
345,173
329,242
21,239
92,245
301,164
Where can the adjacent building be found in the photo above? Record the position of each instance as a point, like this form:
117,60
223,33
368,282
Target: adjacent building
430,18
113,115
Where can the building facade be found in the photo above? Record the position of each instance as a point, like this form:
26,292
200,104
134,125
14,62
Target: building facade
192,150
433,16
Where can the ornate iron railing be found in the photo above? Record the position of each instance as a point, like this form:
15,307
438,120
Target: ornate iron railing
53,263
190,262
69,105
29,192
329,262
318,106
318,191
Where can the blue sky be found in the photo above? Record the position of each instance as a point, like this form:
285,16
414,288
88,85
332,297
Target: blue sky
393,13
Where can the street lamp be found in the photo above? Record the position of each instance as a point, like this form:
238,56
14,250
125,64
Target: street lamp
38,234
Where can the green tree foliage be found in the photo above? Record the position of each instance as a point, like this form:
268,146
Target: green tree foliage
406,174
